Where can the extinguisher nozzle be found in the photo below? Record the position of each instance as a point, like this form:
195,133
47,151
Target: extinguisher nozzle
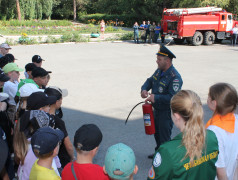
132,110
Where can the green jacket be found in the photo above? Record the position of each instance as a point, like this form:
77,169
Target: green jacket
24,81
167,164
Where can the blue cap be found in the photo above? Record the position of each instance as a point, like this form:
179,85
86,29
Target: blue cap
120,161
163,51
46,139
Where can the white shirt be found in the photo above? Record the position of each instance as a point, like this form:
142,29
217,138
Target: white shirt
11,89
228,149
235,30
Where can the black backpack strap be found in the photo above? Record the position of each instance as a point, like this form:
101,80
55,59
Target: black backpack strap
72,169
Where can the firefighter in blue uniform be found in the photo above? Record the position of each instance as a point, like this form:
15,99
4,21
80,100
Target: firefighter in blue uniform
164,83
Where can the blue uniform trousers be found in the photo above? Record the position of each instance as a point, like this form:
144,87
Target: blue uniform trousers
163,126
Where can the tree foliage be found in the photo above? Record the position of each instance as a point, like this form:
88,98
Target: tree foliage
137,10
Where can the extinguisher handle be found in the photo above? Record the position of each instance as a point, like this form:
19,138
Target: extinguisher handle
132,110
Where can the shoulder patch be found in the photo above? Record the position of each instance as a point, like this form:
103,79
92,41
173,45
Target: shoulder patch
176,85
151,174
157,160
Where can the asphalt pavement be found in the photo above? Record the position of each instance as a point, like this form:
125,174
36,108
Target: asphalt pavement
104,80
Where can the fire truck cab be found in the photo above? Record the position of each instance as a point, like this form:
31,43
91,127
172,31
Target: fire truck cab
197,25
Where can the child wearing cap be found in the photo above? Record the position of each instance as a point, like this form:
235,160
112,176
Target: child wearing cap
4,49
29,67
40,76
37,60
45,144
10,87
66,151
86,142
120,162
33,119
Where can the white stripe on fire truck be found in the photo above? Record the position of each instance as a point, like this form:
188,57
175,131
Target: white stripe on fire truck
200,22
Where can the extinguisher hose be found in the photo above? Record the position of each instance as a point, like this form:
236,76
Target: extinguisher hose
132,110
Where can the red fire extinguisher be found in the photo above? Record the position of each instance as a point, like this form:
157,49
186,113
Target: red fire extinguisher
148,119
147,116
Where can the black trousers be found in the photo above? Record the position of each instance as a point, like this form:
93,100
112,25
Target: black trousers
163,126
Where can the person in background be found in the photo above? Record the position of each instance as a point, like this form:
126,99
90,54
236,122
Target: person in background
120,162
142,27
152,33
86,142
192,154
136,33
45,144
234,35
37,60
157,32
102,27
66,151
4,49
222,100
147,28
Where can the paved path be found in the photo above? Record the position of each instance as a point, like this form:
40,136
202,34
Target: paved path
104,81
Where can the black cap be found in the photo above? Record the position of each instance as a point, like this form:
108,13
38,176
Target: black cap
39,72
45,140
30,67
10,58
3,77
163,51
3,61
3,153
39,99
37,59
87,137
35,119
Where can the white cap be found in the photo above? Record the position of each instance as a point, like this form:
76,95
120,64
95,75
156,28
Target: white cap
3,96
27,89
64,92
5,46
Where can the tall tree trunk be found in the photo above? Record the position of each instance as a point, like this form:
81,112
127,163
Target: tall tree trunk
18,10
74,10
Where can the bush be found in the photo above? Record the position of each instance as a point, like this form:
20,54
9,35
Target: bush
122,20
29,23
127,36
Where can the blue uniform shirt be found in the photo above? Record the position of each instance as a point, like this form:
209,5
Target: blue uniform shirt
164,85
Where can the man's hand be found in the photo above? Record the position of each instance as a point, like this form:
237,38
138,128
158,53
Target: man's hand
151,98
144,94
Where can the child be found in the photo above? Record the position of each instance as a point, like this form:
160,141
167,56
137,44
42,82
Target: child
10,87
66,151
192,154
33,119
45,144
86,142
222,100
120,162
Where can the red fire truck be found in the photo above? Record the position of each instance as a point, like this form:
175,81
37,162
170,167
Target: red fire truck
197,25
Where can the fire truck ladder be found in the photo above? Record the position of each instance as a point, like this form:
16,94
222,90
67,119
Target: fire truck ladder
193,10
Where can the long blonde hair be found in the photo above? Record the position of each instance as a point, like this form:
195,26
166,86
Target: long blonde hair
188,105
20,144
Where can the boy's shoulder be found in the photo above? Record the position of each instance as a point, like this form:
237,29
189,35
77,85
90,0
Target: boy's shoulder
40,173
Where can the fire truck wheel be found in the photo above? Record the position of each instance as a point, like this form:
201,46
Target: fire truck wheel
178,41
197,38
209,38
